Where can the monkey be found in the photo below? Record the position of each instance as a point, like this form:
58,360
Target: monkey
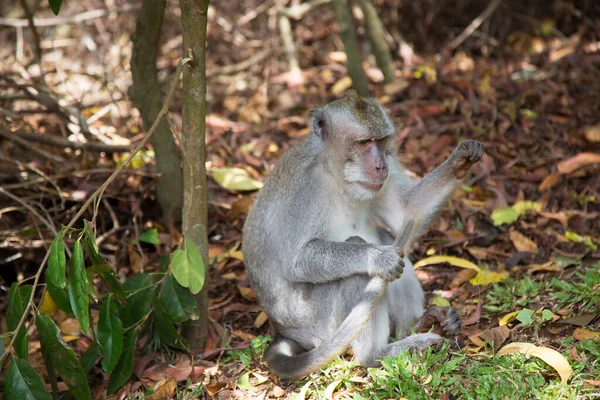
325,243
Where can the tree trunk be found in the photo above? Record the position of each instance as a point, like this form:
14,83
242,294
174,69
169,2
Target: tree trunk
348,35
194,17
147,97
376,33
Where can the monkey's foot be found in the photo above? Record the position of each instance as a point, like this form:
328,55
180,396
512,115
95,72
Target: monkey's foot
448,321
467,153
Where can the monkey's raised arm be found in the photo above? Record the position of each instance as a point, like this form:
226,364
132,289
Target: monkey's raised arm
433,191
322,261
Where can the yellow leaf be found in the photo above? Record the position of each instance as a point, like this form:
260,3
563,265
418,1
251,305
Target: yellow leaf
510,317
48,306
440,301
456,261
237,255
584,334
235,179
549,356
521,207
486,277
260,378
341,85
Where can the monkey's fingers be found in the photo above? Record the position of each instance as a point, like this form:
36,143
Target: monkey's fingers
452,322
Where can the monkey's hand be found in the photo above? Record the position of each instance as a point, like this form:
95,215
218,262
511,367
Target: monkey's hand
466,154
387,262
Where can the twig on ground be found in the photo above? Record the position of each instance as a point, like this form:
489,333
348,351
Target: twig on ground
69,19
20,141
60,142
474,25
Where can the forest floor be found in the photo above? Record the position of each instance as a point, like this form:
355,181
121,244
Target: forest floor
516,250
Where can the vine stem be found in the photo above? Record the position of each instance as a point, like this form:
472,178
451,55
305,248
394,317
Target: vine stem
98,193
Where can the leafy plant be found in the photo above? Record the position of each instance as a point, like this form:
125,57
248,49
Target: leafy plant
156,302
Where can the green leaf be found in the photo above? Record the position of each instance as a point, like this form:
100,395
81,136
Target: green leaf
18,297
55,5
1,350
63,358
235,179
88,360
60,297
164,328
179,302
243,382
150,236
124,368
110,335
138,291
89,244
547,315
525,316
56,272
22,382
506,215
439,301
50,370
78,289
188,267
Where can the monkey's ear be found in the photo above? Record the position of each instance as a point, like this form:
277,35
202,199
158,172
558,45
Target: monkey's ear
318,123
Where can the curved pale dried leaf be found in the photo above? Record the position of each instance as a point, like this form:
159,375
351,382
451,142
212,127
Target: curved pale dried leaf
455,261
571,164
235,179
549,356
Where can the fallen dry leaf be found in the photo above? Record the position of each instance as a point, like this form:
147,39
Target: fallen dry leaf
463,276
580,320
455,261
486,277
592,133
474,317
494,337
508,318
522,243
582,159
546,267
247,293
163,390
549,356
584,334
260,320
549,182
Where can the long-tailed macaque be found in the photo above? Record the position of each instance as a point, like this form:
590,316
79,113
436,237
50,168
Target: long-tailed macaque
326,273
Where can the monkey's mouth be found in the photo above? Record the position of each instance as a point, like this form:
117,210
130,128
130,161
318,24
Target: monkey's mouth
376,187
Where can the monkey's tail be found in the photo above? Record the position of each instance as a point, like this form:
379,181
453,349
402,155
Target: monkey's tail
285,356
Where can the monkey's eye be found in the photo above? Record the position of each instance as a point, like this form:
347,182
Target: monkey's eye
363,141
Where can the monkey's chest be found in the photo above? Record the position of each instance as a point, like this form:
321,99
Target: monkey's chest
345,224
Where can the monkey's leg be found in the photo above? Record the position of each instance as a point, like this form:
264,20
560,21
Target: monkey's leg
372,343
405,301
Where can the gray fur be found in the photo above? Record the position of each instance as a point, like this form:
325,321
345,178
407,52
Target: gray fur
324,293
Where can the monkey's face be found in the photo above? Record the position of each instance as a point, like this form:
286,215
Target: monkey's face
357,139
366,170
